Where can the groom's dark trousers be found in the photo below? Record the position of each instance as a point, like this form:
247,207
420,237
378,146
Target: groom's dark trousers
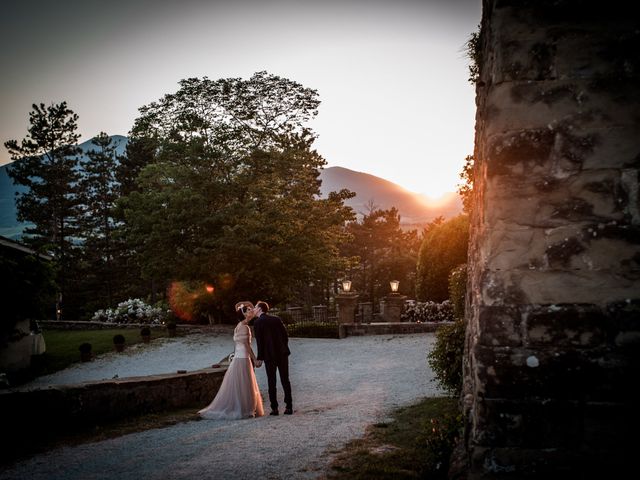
280,365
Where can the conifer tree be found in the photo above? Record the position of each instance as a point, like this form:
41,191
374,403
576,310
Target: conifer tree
46,162
100,192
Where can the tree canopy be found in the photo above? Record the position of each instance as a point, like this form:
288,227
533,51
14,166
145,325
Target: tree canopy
230,192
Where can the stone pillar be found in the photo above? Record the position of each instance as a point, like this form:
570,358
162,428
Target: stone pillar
393,305
551,362
346,310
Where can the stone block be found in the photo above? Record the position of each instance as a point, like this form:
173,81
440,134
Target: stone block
554,373
518,287
565,325
545,423
499,326
520,463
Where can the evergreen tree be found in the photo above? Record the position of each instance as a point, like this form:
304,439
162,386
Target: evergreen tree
100,192
46,162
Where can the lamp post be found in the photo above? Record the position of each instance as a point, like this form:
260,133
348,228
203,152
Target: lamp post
347,301
393,303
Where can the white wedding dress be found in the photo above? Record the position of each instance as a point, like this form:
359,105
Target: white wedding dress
239,395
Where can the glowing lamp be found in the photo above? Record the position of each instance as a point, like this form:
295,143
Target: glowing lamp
346,286
209,288
395,284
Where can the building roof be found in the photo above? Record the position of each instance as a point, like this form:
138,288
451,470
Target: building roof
7,242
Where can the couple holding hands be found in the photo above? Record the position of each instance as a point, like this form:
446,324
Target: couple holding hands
239,395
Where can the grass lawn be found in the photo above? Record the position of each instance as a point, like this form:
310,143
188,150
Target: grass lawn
416,443
62,348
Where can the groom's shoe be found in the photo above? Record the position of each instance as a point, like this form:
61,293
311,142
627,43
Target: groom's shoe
275,412
288,411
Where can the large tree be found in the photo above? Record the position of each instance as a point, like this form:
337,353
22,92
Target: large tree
231,195
46,162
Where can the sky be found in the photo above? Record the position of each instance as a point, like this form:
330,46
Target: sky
391,74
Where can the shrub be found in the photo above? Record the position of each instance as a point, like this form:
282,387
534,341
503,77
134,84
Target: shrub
458,289
118,339
446,357
133,310
85,347
428,312
145,331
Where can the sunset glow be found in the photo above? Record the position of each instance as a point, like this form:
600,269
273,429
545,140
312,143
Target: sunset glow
391,75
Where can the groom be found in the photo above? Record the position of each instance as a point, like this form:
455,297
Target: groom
273,349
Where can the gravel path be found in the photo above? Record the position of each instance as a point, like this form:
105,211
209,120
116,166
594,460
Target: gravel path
339,387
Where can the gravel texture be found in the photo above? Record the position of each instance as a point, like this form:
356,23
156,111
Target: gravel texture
339,387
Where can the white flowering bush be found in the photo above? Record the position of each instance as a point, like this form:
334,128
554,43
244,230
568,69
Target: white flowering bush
133,310
428,312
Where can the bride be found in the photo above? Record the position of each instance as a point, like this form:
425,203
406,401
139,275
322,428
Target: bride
238,396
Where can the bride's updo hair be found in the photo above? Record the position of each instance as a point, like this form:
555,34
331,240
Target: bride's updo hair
240,313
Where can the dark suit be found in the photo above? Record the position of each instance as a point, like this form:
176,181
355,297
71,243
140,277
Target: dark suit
273,349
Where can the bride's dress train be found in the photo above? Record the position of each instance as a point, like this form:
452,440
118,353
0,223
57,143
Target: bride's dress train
239,395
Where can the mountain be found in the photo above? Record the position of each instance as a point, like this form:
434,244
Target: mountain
10,227
415,210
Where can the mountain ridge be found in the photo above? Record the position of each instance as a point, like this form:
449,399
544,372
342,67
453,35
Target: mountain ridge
415,210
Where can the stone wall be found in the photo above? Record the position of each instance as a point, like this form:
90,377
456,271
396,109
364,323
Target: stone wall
386,328
553,337
93,403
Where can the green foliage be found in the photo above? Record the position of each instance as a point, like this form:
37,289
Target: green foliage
458,289
446,357
465,189
443,248
233,176
474,54
380,251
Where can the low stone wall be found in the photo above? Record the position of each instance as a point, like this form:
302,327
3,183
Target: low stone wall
353,329
71,406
